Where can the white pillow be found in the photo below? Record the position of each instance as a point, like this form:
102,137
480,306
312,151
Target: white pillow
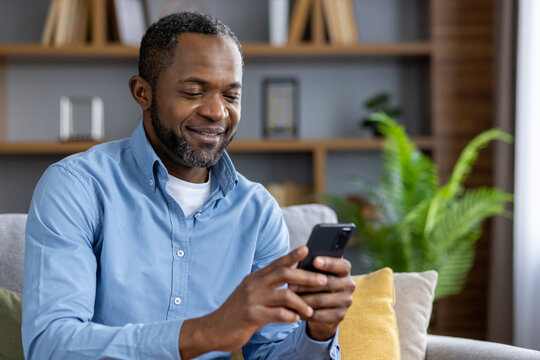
414,299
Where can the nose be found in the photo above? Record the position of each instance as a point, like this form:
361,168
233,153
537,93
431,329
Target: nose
213,108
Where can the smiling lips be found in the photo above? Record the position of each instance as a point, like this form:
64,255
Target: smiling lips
207,135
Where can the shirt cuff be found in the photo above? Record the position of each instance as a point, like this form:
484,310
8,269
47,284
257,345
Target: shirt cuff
328,349
160,340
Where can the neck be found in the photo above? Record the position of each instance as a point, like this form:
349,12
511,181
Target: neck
193,175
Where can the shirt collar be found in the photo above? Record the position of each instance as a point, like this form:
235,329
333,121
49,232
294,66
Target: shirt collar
144,153
224,174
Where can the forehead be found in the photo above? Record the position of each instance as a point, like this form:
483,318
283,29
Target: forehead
207,57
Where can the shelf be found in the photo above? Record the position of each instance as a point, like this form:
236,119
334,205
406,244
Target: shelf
245,146
251,50
365,49
38,51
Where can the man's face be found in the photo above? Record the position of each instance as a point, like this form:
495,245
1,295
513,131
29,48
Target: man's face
195,107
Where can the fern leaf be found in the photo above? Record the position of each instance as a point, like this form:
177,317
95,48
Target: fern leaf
459,219
455,267
408,176
468,158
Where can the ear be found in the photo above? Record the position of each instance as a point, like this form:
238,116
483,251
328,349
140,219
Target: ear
141,91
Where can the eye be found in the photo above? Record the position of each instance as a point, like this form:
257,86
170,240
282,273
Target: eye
192,94
232,97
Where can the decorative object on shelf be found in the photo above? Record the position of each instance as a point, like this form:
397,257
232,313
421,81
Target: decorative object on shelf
290,193
67,23
420,225
278,21
378,103
341,21
333,17
81,118
299,20
280,108
131,21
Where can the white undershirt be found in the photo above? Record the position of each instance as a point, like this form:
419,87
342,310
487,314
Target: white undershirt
190,196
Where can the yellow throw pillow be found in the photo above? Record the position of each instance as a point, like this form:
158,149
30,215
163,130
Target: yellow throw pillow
369,330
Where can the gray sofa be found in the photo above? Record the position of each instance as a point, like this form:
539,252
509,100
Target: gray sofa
438,347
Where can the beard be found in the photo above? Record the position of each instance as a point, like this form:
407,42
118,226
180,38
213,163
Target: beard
205,157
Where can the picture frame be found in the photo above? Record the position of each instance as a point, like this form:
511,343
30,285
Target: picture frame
280,108
81,118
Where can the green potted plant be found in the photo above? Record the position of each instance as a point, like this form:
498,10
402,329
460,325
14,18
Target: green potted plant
378,103
419,224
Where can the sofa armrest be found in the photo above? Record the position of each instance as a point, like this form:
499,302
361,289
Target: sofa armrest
454,348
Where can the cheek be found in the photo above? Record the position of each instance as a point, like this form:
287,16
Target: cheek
234,113
178,112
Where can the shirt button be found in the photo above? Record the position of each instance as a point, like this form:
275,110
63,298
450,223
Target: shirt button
180,253
177,301
151,182
197,215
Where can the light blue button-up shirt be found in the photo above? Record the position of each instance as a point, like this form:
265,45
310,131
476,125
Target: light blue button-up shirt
113,266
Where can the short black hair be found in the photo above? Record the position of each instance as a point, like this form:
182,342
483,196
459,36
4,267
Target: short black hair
159,42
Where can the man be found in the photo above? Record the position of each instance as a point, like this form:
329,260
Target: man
154,247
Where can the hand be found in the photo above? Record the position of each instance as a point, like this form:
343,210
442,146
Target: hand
329,301
257,301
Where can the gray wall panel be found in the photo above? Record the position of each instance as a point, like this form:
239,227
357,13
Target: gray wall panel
33,94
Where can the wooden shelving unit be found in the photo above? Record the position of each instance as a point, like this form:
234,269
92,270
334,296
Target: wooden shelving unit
319,148
239,145
250,50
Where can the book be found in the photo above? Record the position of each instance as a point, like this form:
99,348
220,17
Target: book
62,23
299,20
351,21
84,20
71,22
331,13
347,21
341,11
341,21
47,37
131,20
278,21
318,34
98,12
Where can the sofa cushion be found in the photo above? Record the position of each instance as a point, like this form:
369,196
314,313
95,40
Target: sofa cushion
369,330
454,348
300,219
10,325
12,251
414,298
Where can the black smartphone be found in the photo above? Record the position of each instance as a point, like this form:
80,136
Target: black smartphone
327,240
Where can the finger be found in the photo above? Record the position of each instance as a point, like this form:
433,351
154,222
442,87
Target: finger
290,300
277,314
333,284
327,300
329,316
285,261
338,267
286,275
280,271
